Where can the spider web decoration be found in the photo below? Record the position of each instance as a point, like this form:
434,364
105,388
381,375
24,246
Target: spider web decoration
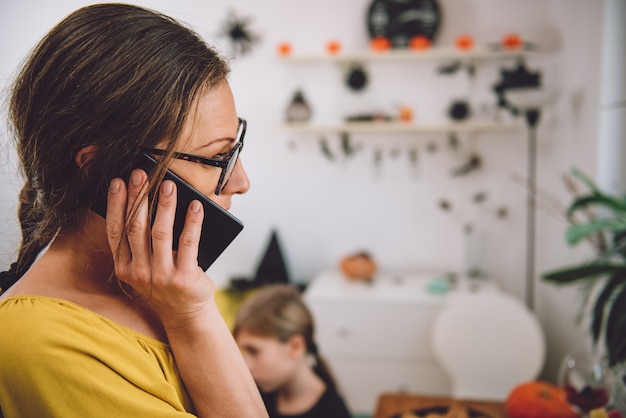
237,30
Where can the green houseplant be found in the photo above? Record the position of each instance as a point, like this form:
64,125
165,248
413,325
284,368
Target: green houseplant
603,278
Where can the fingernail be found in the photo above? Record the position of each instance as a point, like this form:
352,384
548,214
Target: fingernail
167,188
195,206
114,187
135,178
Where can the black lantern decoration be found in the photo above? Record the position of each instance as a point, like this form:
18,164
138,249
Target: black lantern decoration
298,109
518,77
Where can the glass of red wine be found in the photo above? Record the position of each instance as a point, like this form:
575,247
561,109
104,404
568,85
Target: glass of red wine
587,381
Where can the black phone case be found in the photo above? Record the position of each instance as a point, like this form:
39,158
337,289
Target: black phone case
219,227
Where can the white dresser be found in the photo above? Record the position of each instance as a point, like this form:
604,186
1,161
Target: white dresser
376,337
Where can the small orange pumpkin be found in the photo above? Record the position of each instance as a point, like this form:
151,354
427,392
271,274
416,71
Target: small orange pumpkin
464,42
380,43
512,41
359,267
538,399
419,43
333,47
284,49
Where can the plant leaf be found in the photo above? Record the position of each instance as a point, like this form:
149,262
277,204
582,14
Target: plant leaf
586,180
616,329
576,233
584,271
599,308
599,199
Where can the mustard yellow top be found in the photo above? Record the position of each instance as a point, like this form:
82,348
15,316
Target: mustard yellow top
58,359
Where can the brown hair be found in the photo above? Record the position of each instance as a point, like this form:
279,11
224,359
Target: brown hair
278,311
116,76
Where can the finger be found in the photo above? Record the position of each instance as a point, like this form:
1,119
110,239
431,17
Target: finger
137,220
163,226
190,237
116,219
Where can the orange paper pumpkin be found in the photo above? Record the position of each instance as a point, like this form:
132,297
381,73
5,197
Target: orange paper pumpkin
284,49
464,42
538,399
419,43
333,47
512,41
359,266
380,43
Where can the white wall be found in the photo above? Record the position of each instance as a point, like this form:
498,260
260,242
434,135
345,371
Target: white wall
324,210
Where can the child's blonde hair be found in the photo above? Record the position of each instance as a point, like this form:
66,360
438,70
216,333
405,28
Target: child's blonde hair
278,311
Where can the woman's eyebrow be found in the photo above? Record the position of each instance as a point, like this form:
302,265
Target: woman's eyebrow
213,142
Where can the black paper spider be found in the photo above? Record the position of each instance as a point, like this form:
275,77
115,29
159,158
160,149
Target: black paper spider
237,30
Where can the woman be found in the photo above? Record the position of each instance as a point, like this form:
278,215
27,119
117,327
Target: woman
275,331
100,317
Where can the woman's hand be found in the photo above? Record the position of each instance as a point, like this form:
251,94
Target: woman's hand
170,281
207,357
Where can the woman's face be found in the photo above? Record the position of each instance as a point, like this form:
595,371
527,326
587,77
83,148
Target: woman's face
210,131
270,361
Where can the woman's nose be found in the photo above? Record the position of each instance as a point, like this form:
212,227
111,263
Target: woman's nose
239,182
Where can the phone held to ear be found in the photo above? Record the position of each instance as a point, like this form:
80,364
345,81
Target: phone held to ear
219,227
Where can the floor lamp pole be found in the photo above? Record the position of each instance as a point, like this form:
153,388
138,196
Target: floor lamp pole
532,119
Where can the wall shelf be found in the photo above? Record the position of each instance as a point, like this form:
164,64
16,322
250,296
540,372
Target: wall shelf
401,127
438,53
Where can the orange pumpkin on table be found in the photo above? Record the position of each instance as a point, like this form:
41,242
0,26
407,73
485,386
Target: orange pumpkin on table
535,399
359,267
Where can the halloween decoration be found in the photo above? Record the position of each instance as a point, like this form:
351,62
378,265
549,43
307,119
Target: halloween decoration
405,114
457,65
453,142
512,42
346,145
298,109
236,29
518,77
537,399
357,78
444,205
378,158
479,197
464,42
402,20
326,149
333,47
284,49
419,43
380,43
358,267
271,269
414,157
369,117
473,163
459,110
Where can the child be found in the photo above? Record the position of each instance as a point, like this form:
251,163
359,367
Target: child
274,329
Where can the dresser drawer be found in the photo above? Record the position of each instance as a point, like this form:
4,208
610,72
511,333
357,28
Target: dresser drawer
401,331
361,382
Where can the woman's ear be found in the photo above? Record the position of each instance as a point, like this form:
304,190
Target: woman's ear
297,346
85,154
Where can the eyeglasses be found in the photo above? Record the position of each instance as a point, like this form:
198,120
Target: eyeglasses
226,163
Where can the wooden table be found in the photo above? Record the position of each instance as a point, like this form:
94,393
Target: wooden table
393,404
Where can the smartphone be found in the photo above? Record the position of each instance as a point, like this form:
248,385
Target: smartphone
219,227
